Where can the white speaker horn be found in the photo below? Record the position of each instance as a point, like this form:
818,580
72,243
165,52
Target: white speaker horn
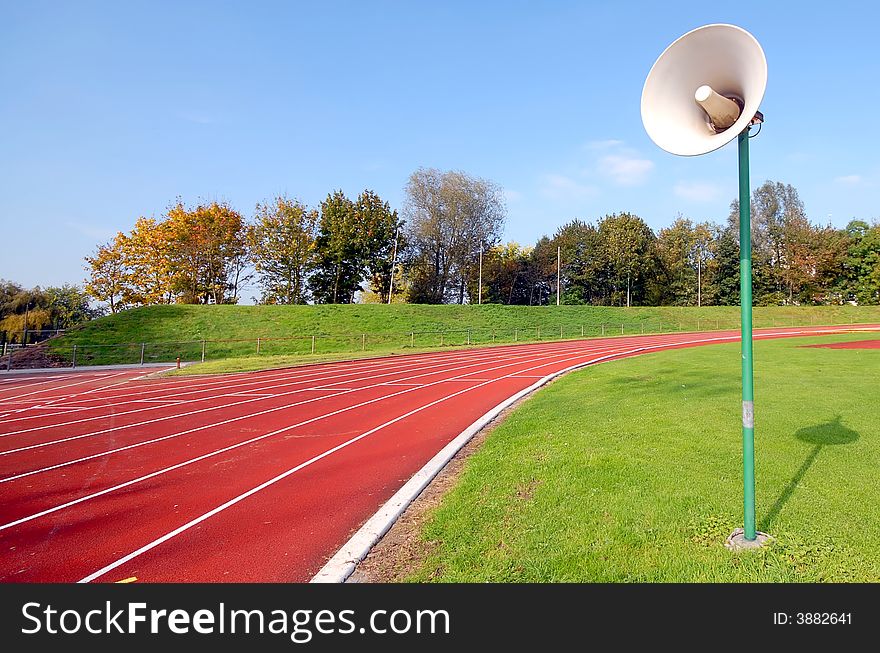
704,90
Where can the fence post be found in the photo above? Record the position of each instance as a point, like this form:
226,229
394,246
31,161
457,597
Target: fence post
469,336
74,357
493,335
515,335
643,327
582,331
412,338
363,342
560,332
258,345
203,350
603,329
717,324
143,346
621,328
313,344
539,333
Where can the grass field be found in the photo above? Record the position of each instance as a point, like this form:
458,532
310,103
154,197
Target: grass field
631,471
162,333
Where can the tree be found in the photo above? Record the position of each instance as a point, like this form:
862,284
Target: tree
69,306
108,276
581,276
723,277
675,247
505,275
862,263
380,232
449,216
629,251
148,260
209,251
282,249
684,250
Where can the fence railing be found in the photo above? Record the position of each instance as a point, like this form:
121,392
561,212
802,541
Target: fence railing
55,353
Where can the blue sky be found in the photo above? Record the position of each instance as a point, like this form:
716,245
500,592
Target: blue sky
109,111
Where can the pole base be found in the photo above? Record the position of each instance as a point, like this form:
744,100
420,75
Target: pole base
737,541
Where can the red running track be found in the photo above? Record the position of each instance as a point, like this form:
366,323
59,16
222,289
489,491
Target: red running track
254,477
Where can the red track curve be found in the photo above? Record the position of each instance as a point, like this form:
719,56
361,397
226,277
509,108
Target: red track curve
246,477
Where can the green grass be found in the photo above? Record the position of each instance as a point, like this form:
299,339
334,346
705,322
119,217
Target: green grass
631,472
284,331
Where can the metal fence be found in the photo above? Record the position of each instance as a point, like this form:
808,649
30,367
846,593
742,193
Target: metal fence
55,353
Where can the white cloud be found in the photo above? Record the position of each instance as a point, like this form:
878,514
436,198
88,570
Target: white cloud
560,187
511,195
849,180
697,191
625,169
603,145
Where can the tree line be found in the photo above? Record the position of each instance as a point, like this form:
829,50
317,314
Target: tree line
203,254
620,261
449,231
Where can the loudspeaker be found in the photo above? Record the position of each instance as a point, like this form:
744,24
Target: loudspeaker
704,90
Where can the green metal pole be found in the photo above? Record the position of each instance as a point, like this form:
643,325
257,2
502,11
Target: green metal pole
745,293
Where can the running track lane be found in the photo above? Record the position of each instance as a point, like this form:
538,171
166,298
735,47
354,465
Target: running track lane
246,477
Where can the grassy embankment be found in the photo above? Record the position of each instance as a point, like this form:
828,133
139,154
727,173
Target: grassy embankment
285,332
631,471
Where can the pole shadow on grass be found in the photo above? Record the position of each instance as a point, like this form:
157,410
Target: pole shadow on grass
821,435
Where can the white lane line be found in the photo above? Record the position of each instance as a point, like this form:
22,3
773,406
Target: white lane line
60,408
349,367
249,394
397,370
394,369
467,380
188,385
235,419
70,385
248,378
213,453
53,401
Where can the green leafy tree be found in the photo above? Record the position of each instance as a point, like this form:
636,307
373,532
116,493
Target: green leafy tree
629,251
282,249
69,305
862,263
